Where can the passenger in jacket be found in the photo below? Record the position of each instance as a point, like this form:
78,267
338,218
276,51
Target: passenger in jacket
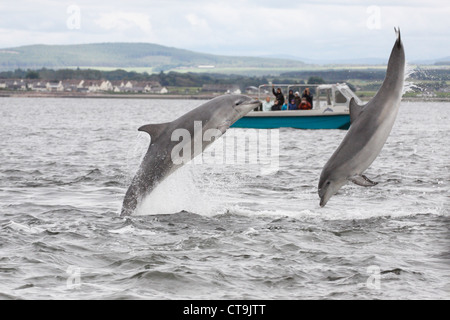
305,105
276,106
292,105
307,94
278,96
291,95
267,105
297,99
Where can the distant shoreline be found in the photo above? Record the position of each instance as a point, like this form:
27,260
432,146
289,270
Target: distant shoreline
78,95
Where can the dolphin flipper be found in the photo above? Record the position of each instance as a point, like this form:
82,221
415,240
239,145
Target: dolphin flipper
363,181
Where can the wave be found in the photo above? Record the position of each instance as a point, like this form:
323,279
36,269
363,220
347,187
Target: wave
22,228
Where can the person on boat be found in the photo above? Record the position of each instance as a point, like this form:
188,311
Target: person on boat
285,106
276,106
307,94
278,95
297,100
267,105
293,105
305,105
291,95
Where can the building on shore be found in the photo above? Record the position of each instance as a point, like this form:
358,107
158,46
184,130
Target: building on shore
83,86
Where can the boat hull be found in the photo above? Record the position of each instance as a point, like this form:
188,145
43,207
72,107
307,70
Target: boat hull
299,122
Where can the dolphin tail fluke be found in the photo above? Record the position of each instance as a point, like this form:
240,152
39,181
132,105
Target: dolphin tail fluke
399,38
362,181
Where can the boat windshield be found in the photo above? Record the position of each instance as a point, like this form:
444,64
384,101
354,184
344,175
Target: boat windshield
324,96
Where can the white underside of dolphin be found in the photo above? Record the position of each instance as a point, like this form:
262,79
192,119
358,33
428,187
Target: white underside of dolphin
370,127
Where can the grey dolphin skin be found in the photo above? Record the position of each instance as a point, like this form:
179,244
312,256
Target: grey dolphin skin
209,120
370,127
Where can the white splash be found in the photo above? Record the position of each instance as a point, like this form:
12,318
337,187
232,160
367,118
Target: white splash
409,85
132,230
136,153
176,193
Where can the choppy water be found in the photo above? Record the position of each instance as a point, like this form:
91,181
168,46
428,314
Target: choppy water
221,232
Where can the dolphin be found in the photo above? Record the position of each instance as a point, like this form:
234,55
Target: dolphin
370,127
197,128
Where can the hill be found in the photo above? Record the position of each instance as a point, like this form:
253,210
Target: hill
127,55
346,62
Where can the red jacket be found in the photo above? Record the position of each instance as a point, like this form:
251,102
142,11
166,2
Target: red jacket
305,106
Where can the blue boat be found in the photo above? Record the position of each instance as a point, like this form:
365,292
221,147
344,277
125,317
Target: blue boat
331,110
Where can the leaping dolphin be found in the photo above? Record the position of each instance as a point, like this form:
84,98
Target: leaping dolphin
209,120
370,127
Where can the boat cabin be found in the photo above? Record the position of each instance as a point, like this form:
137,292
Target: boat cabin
324,95
330,109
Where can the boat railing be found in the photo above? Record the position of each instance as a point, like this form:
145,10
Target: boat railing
299,87
287,86
325,95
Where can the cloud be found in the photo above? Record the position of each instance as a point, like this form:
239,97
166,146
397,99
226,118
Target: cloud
195,21
321,29
122,21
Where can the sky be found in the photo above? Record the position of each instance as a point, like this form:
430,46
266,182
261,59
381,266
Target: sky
321,29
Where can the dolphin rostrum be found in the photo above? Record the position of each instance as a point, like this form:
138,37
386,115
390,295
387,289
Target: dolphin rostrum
190,135
370,127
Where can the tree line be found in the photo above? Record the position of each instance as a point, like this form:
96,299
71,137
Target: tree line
173,79
177,79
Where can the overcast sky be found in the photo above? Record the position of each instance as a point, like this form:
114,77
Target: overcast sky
322,29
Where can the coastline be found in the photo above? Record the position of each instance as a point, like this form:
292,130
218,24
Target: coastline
78,95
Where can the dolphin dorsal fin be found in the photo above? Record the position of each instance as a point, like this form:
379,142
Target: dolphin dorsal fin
355,110
154,130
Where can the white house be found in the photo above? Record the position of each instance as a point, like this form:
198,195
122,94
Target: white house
129,85
38,86
93,85
17,85
158,90
106,86
55,86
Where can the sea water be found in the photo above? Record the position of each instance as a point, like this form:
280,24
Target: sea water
215,231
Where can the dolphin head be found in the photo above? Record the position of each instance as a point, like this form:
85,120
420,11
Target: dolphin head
329,185
242,105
